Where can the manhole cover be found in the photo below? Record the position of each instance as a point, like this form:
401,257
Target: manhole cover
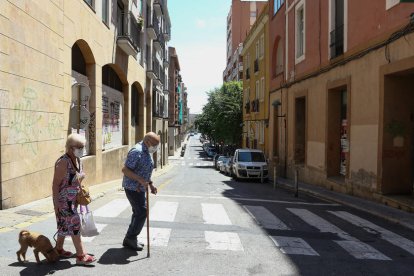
30,213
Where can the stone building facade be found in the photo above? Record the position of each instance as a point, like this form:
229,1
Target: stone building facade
59,60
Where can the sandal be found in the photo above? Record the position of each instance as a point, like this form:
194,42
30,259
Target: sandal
64,254
85,259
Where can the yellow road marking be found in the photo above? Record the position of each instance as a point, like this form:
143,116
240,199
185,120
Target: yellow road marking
162,186
6,229
22,225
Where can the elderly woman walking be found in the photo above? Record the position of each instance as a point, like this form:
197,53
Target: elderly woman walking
66,184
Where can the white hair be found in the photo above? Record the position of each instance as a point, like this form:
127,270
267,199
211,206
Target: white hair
73,139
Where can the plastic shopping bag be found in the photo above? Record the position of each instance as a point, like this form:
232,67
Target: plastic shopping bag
88,227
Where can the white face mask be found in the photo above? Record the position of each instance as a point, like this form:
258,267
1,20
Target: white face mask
78,152
152,149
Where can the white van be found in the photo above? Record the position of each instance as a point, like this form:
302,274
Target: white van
249,163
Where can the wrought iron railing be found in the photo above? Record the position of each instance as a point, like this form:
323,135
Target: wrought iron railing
129,29
337,41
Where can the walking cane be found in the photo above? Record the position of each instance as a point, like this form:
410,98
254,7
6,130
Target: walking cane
148,235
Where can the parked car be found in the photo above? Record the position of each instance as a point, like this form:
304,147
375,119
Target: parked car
229,164
222,164
211,151
216,161
249,164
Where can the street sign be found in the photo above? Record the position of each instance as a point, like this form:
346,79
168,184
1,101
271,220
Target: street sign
79,118
81,91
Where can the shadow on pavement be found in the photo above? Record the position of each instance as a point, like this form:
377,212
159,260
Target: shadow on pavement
119,256
32,268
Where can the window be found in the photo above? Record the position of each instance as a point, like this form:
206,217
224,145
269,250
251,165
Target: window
257,90
262,46
252,13
90,3
336,35
262,88
279,59
261,132
257,50
276,5
300,32
105,11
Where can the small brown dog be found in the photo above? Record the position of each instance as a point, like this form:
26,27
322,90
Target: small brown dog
40,243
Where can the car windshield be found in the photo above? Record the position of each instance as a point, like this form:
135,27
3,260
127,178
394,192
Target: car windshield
221,158
251,157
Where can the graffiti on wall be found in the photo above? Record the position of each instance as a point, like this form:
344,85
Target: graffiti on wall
27,125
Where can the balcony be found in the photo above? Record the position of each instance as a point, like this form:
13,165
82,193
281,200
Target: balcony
247,73
128,38
159,43
337,42
166,62
256,65
154,71
255,105
158,4
167,33
247,107
153,27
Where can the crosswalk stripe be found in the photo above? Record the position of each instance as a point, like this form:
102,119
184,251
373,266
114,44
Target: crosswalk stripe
112,209
352,245
158,236
164,211
387,235
265,218
99,226
215,214
223,241
292,245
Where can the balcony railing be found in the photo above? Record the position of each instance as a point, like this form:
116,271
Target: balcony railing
129,34
256,65
247,73
337,42
255,104
158,5
167,32
159,42
247,107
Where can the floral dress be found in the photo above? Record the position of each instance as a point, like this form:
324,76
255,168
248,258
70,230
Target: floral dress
68,221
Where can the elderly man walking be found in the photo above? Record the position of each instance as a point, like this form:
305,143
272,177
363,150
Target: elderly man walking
137,177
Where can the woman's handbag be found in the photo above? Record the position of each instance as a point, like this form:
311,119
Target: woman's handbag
83,197
88,227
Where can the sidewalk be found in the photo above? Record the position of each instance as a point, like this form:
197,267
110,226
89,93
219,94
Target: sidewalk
23,216
388,213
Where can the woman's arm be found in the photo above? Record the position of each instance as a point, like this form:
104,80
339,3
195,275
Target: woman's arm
60,172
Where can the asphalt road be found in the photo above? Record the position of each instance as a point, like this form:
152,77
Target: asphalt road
205,223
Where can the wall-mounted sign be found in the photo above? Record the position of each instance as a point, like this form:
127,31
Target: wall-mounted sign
79,118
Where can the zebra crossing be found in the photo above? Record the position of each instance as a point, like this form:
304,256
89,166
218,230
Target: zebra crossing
282,233
194,162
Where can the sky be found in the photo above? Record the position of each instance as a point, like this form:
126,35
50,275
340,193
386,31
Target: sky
198,33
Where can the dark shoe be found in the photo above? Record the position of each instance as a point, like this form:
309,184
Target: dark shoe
132,245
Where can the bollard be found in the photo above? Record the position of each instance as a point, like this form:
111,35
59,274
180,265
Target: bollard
274,178
296,183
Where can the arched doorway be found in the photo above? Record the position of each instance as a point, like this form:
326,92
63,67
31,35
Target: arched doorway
114,110
83,74
137,111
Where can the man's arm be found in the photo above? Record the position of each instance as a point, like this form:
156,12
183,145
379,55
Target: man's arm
130,174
